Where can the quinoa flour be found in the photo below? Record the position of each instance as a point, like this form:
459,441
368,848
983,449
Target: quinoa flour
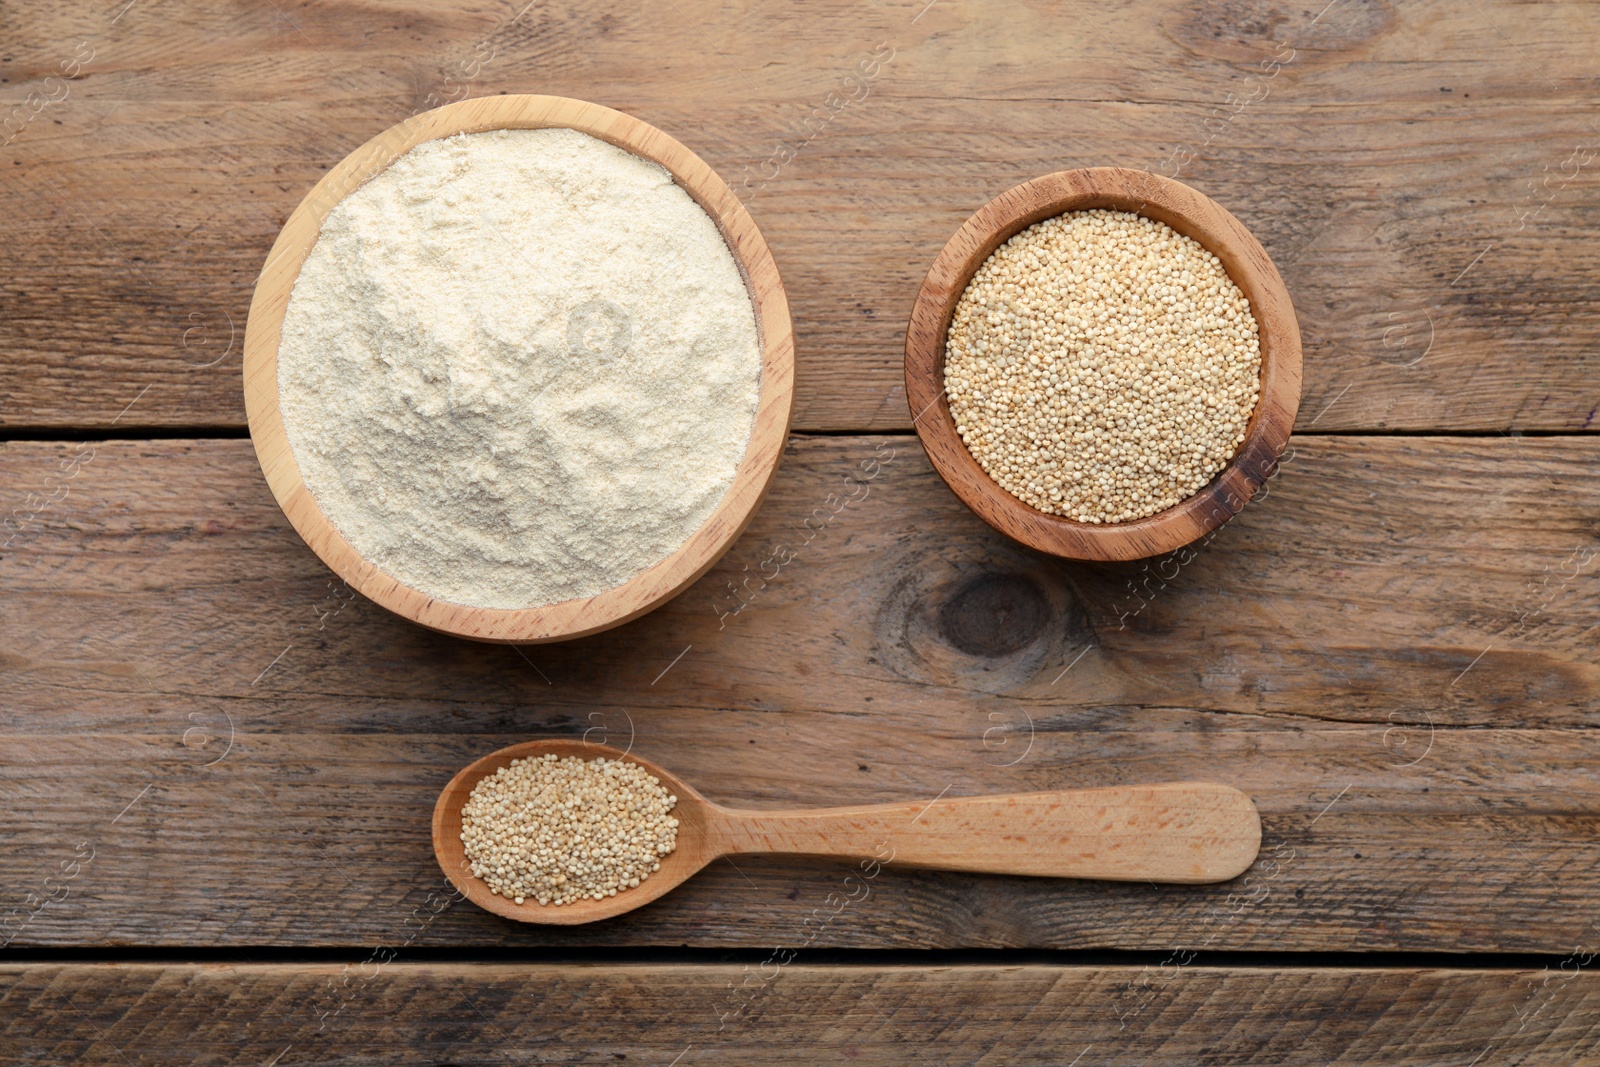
518,367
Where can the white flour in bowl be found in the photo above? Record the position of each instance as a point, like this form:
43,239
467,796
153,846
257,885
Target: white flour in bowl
518,367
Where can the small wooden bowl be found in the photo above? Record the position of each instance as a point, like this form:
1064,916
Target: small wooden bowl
571,618
1191,214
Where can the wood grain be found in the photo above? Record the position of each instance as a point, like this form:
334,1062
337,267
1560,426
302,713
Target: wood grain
1417,171
373,1011
1191,214
581,615
206,740
1397,664
1185,833
1179,833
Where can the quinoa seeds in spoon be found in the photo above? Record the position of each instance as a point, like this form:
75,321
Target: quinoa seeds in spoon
559,829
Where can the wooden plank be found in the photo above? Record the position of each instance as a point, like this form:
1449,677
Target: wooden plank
1392,653
1422,176
375,1011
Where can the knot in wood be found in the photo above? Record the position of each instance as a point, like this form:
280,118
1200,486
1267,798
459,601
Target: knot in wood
994,615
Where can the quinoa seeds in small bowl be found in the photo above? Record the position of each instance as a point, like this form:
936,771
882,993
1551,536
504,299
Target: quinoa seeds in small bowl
1102,367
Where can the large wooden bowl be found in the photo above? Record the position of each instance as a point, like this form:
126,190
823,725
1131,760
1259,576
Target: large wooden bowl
1191,214
571,618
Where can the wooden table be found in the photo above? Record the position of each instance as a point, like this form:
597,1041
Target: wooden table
218,764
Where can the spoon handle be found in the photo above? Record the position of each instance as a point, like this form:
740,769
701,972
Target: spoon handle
1183,832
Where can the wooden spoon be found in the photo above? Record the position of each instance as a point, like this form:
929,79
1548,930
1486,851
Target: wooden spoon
1181,832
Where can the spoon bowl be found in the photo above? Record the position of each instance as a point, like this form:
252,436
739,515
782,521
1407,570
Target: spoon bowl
692,853
1180,832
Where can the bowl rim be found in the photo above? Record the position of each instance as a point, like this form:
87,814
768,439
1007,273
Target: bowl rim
1192,214
667,577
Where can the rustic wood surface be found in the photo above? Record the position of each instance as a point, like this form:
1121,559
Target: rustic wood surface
1189,213
1422,174
1392,653
208,745
398,1012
